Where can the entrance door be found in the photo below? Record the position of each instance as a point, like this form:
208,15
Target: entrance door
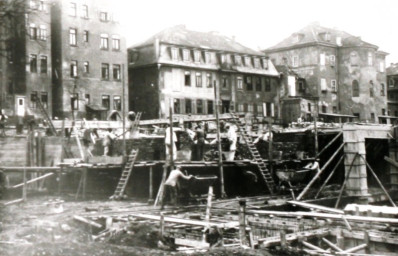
20,106
225,106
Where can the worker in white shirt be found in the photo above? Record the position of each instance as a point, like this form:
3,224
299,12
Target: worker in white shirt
265,136
232,139
171,186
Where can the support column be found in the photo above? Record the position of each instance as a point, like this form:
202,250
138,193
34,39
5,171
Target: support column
357,183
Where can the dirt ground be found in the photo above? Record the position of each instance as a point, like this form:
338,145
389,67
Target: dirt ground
37,227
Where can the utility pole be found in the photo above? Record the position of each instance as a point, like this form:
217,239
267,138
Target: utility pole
220,165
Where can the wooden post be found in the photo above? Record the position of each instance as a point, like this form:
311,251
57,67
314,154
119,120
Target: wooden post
59,177
329,144
332,245
270,146
366,240
151,182
220,165
345,182
24,185
340,239
161,225
84,182
282,235
159,196
316,128
208,209
171,149
242,222
124,114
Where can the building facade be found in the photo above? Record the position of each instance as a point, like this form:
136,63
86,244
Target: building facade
26,58
392,89
180,68
344,73
89,59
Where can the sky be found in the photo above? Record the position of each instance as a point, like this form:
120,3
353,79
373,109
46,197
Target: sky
261,24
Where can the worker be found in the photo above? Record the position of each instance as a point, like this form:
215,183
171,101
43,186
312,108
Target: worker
170,142
232,140
312,166
108,142
171,186
89,140
199,139
3,120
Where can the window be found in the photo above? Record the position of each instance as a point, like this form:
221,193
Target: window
355,88
199,106
382,90
245,107
334,109
43,33
338,41
327,37
105,100
104,16
269,108
44,99
210,107
208,57
295,61
198,79
332,60
381,66
187,78
250,108
43,64
84,11
371,92
265,63
33,99
323,85
240,107
370,59
324,109
247,61
354,59
238,60
33,63
74,101
73,68
104,42
117,103
383,111
185,55
223,58
174,53
391,82
85,36
86,67
41,6
256,63
372,116
259,109
72,36
87,99
105,71
72,9
208,81
249,85
188,106
33,32
309,107
116,72
197,56
239,83
177,105
267,84
301,86
333,85
322,59
258,84
224,82
115,43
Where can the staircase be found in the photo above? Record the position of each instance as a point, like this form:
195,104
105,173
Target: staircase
128,168
267,176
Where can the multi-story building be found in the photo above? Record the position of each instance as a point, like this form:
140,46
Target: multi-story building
392,89
344,75
89,59
26,63
179,68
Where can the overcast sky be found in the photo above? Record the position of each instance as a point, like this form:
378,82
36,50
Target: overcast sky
261,24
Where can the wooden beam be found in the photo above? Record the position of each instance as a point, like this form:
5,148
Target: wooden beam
329,144
329,177
391,161
332,245
86,221
313,247
30,169
33,180
354,249
316,207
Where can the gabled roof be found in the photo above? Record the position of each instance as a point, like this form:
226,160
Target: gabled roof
314,33
179,35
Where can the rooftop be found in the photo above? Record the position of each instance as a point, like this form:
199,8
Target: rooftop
392,69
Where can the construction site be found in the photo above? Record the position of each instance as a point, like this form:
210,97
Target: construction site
311,188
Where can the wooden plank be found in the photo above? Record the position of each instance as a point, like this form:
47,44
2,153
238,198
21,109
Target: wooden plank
89,222
316,207
33,180
272,241
191,243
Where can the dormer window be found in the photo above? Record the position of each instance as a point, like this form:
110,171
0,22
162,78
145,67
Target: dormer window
247,61
185,55
265,63
207,57
238,60
197,56
174,53
256,63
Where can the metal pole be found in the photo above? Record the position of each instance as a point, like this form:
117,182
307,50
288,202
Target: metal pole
123,114
220,166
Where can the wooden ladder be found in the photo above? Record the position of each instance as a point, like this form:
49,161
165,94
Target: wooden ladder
136,122
265,173
128,168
